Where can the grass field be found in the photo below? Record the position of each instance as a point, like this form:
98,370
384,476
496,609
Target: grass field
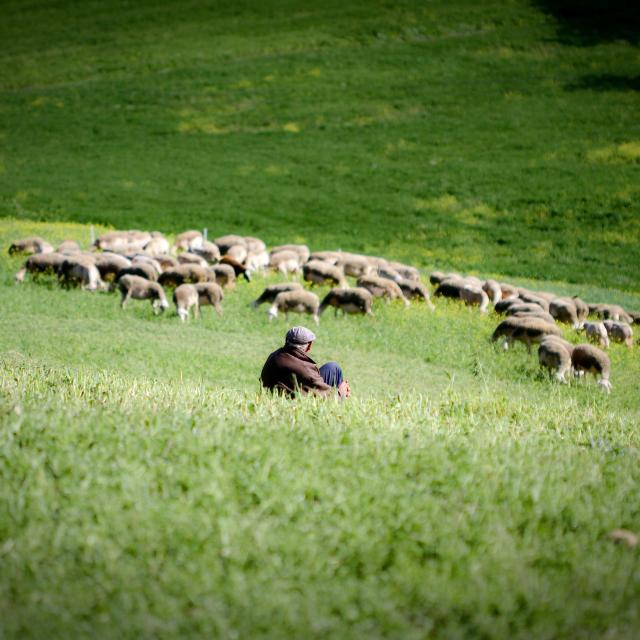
147,487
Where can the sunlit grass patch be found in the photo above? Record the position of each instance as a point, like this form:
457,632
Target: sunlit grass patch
626,152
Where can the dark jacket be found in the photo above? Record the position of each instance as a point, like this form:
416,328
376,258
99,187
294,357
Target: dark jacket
290,369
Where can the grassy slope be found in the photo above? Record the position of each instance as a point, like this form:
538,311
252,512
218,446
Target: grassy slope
151,491
459,135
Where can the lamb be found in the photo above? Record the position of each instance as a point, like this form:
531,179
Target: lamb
318,272
298,301
526,330
80,270
301,250
590,359
492,289
140,289
553,354
564,310
383,288
285,261
414,289
185,273
270,292
210,293
238,268
223,274
596,332
31,245
472,295
188,240
184,297
354,300
619,332
41,263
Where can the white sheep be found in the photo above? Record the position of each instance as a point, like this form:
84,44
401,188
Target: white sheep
596,332
619,332
31,245
319,272
185,297
589,359
555,354
473,295
286,262
140,289
297,301
352,300
383,288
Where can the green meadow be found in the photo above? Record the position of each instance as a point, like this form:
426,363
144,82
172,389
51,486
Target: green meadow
148,488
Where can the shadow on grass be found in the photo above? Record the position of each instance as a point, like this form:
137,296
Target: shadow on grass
591,22
606,82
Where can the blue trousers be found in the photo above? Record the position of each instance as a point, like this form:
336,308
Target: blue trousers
331,373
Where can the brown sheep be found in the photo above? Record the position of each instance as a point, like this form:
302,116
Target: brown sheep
526,330
140,289
353,300
589,359
270,292
383,288
318,272
297,301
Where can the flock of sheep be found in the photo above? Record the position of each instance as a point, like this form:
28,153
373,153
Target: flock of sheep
142,265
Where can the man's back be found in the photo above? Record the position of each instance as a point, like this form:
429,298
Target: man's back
289,369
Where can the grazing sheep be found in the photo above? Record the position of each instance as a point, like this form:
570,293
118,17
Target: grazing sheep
582,308
405,270
238,268
436,277
354,300
492,289
237,252
596,332
450,288
619,332
332,257
184,297
383,288
385,271
502,306
188,240
31,245
255,245
319,272
225,243
166,261
285,261
140,289
564,310
526,330
414,289
301,250
223,274
635,317
110,264
355,265
270,292
297,301
81,271
185,273
589,359
508,290
610,312
123,241
529,309
210,293
472,295
209,251
140,269
187,257
158,245
553,354
532,298
40,264
257,261
140,258
68,246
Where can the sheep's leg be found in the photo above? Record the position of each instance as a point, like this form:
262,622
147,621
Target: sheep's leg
196,311
125,298
217,307
20,275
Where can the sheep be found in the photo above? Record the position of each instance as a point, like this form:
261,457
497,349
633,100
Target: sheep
382,288
492,289
298,301
132,240
582,308
318,272
553,354
237,252
472,295
68,246
185,296
354,265
529,309
140,289
301,250
414,289
635,317
224,243
502,306
109,264
405,270
188,240
166,261
619,332
532,298
140,269
436,277
332,257
596,332
257,261
285,261
187,257
450,288
564,310
223,274
185,273
610,312
508,290
41,263
385,271
142,258
255,245
83,271
158,244
209,251
31,245
270,292
354,300
526,330
238,268
210,293
589,359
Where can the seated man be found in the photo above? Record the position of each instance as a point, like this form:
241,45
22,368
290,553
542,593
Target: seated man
290,369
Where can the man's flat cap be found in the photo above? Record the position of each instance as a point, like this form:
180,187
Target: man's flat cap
299,335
